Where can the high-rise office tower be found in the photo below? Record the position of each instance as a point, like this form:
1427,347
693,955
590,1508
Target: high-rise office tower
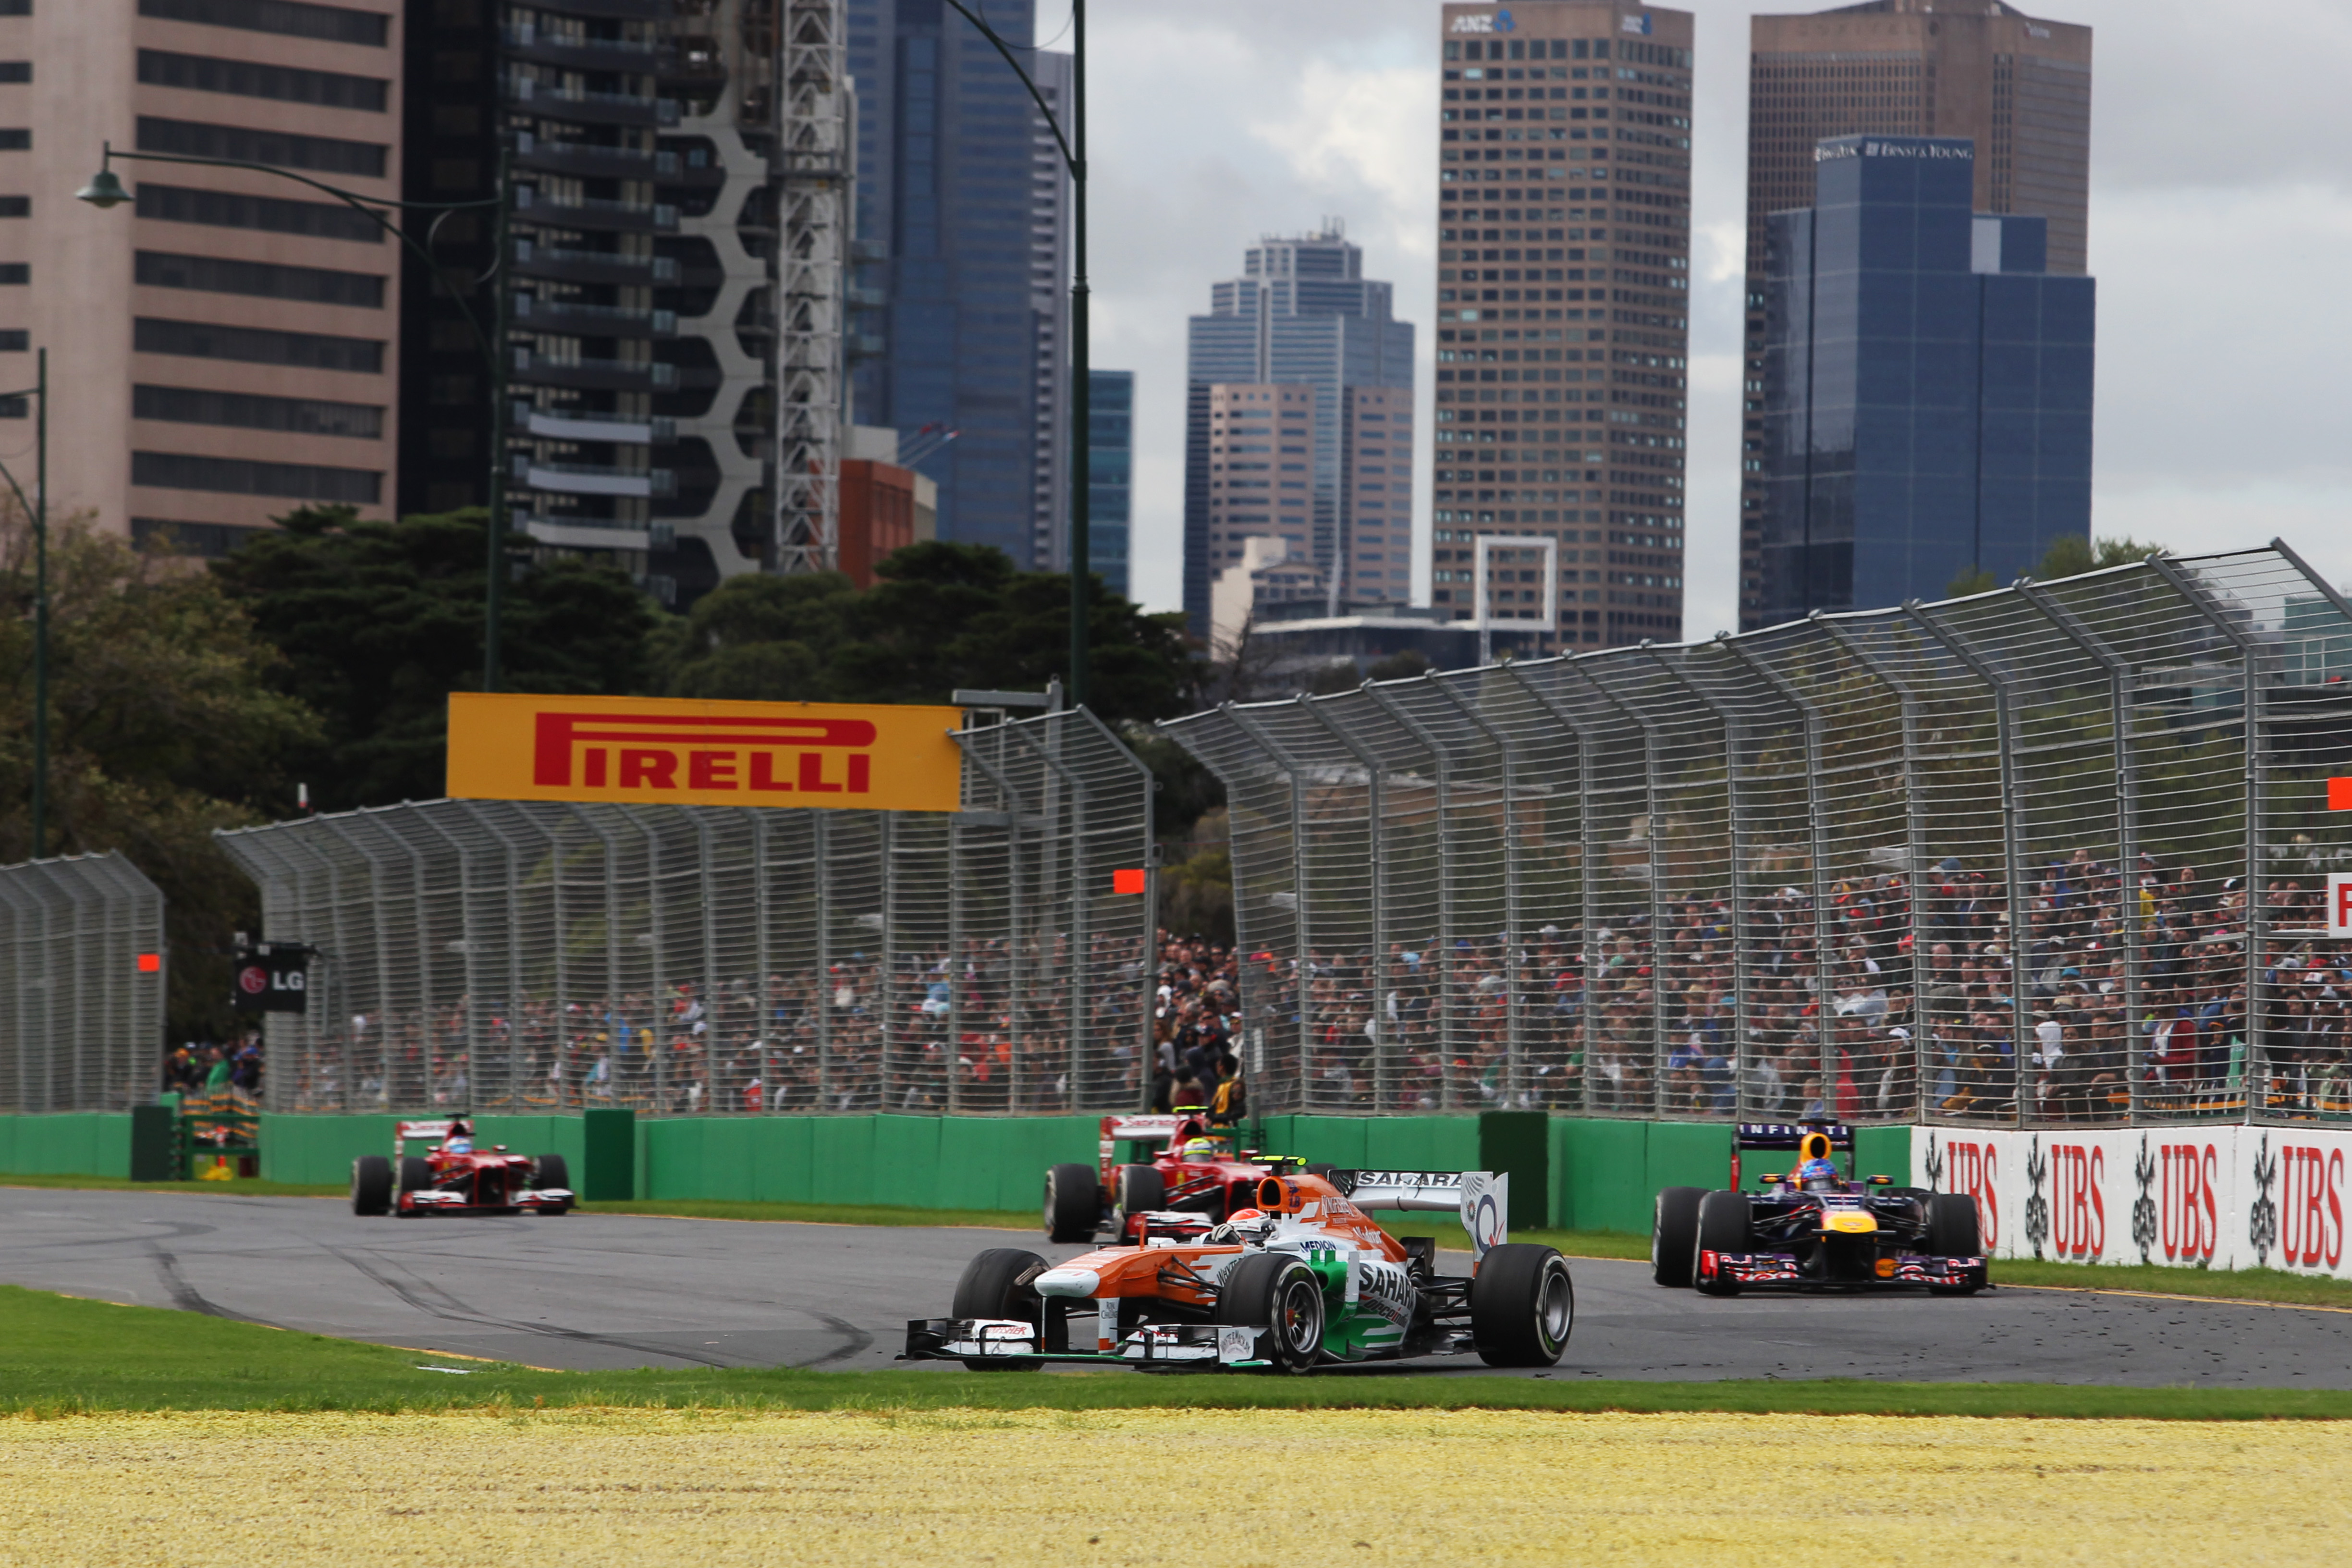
1927,385
1563,311
1281,374
2018,87
1110,473
220,349
641,276
960,298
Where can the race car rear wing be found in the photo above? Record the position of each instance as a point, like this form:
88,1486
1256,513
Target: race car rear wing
430,1131
1789,1136
1481,1198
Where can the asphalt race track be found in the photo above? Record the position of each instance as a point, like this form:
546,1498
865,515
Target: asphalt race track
596,1291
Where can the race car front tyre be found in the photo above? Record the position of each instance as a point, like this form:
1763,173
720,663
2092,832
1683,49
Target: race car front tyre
1280,1295
415,1175
1073,1203
1952,1232
1673,1234
370,1184
1522,1306
550,1171
1141,1189
1723,1226
997,1284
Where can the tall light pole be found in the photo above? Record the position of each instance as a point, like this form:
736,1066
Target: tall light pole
105,190
37,511
1074,158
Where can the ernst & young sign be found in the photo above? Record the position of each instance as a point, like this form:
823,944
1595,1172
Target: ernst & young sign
641,751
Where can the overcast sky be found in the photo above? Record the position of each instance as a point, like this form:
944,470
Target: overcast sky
2221,226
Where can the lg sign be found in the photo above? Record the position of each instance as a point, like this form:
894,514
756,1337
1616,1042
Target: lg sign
272,977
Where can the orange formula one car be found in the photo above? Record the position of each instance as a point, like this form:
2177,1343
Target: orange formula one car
1303,1279
454,1178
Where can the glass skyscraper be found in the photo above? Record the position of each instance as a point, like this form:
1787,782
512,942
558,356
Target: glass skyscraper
1110,473
962,276
1301,326
1926,384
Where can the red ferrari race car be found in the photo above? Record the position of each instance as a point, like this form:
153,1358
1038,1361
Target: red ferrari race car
1176,1164
452,1177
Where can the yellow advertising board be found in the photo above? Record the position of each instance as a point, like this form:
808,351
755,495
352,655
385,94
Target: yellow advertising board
638,751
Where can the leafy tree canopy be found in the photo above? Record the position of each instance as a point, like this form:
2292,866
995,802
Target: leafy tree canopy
379,622
167,721
2069,555
942,616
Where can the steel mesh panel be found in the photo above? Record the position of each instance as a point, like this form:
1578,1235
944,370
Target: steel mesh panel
81,1024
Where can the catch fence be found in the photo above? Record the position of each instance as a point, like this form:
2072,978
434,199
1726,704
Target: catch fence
81,985
2048,855
523,955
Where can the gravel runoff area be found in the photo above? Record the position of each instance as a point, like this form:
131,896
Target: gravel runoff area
707,1487
590,1291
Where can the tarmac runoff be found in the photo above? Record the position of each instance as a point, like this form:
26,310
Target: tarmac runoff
593,1291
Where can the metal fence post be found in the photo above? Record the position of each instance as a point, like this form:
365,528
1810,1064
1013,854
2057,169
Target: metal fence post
1588,854
1657,912
1081,934
2119,695
1385,1040
1302,966
1733,733
1515,932
2012,811
2257,790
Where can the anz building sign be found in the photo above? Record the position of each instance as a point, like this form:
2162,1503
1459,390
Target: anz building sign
1500,22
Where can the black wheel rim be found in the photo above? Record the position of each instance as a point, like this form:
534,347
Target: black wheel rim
1556,1309
1298,1318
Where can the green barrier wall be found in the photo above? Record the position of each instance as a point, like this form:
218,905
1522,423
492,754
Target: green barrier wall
72,1143
1600,1175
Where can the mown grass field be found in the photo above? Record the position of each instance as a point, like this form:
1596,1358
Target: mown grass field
62,1356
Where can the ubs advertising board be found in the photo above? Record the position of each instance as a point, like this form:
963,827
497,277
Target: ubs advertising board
2223,1197
638,750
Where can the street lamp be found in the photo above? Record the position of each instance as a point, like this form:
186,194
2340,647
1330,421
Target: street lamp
37,511
105,190
1074,158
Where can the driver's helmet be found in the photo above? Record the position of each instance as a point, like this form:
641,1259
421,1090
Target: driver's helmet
1240,1226
1202,1148
460,1140
1818,1175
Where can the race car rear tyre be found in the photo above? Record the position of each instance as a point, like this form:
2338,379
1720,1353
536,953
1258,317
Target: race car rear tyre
1276,1292
1522,1306
550,1171
1952,1232
1140,1189
1073,1203
1673,1236
1723,1226
997,1284
370,1184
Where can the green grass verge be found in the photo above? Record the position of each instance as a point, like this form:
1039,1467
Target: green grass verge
60,1356
242,1188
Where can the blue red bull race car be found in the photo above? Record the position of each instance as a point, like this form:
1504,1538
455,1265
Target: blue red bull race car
1812,1227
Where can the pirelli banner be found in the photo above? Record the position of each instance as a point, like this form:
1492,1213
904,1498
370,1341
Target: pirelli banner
635,751
2199,1196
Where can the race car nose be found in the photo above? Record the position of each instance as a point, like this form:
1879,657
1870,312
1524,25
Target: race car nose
1068,1282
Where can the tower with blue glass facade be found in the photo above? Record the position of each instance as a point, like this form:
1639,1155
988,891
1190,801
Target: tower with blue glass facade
1926,384
1110,473
960,295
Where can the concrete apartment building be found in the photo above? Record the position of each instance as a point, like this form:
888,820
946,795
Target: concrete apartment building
1298,363
2018,86
1563,316
222,347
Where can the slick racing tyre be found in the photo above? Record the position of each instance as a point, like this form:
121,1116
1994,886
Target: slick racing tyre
1952,1232
1141,1190
1673,1236
1522,1306
1073,1203
415,1175
1723,1226
997,1284
370,1184
1276,1292
550,1171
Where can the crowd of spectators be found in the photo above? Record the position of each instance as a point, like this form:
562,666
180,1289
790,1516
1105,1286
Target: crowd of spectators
229,1073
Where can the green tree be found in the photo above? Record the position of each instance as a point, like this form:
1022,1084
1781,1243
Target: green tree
2069,555
379,622
165,723
941,617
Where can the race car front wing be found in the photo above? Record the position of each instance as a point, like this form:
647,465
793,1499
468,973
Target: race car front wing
422,1199
1167,1344
1782,1268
